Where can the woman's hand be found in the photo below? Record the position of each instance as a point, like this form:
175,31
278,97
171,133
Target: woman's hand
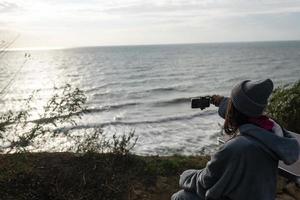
216,99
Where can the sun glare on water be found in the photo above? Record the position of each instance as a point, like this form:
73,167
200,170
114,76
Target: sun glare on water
30,76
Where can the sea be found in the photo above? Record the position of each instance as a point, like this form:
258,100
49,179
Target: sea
147,89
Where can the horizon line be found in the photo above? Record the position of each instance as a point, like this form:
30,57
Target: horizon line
133,45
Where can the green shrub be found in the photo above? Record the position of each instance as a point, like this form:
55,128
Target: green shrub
20,133
96,141
284,106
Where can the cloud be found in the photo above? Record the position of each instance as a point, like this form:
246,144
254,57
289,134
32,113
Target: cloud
6,7
118,21
225,7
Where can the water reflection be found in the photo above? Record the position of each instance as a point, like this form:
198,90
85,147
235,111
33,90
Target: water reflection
148,88
37,77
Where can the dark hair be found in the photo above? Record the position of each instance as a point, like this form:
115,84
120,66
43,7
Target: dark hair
233,119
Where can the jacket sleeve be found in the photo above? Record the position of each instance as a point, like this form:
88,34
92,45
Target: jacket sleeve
216,167
217,171
223,107
189,181
294,152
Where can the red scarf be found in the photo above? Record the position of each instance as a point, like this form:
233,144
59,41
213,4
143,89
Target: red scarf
262,121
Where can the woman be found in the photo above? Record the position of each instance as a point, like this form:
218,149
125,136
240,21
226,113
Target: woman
245,168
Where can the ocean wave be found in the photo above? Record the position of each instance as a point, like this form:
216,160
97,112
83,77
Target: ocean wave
155,103
89,90
144,103
151,91
111,107
143,122
173,101
162,89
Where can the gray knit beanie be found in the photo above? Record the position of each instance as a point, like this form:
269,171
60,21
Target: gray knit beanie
251,97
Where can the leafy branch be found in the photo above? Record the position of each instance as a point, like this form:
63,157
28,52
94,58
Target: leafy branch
20,133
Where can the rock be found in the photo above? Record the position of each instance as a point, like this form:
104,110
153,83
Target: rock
293,190
284,197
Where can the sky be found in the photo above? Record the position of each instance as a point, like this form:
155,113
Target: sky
73,23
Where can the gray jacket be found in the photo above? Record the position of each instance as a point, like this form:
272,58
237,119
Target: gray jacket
245,167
